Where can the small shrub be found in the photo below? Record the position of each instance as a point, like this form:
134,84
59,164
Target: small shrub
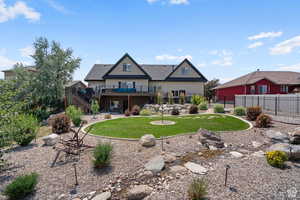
193,109
107,116
263,121
61,124
276,158
24,129
203,106
197,100
182,98
127,113
74,114
135,110
240,111
95,107
197,189
219,108
145,112
21,187
102,155
253,112
175,111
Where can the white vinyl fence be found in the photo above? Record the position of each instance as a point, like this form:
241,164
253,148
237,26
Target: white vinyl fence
279,105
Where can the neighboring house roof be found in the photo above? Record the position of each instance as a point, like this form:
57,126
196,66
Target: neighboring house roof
156,72
29,68
70,84
277,77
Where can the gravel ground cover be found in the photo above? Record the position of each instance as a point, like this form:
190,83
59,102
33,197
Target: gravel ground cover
250,177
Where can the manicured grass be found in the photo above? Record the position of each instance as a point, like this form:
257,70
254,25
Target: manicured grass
135,127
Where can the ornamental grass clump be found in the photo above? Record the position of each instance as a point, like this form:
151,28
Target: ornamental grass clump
74,114
197,189
145,112
219,108
239,111
102,155
263,121
276,158
61,124
253,112
203,106
21,187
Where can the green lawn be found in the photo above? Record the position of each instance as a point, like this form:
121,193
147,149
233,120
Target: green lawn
135,127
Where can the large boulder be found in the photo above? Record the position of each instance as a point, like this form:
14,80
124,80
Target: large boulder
295,137
208,138
138,192
195,168
277,137
148,140
156,164
51,139
102,196
291,150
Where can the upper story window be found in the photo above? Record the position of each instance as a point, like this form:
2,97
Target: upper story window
127,67
252,89
263,89
284,88
185,70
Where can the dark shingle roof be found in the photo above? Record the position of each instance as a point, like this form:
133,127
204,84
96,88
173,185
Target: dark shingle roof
97,72
277,77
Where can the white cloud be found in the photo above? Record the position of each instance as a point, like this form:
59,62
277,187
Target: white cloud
6,63
224,61
286,46
222,52
27,51
265,35
171,57
255,45
295,67
60,8
173,2
19,8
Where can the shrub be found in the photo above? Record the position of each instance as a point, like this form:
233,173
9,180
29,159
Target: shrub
95,107
182,98
127,113
135,110
203,106
276,158
102,155
107,116
197,189
240,111
197,100
61,124
145,112
24,129
74,114
175,111
21,186
263,121
219,108
193,109
253,112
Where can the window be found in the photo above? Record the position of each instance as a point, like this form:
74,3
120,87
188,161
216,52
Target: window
175,93
185,70
182,92
128,84
252,89
263,89
126,67
284,88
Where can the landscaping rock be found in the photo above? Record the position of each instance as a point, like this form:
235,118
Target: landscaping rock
169,158
256,144
148,140
102,196
208,138
295,137
139,192
195,168
50,140
177,169
259,154
156,164
277,137
236,154
292,150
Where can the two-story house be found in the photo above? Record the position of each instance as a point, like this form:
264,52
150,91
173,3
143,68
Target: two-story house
127,83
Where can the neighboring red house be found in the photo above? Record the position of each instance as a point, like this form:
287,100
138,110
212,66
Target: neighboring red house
260,82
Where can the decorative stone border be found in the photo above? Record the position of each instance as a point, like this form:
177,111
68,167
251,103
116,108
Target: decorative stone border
166,137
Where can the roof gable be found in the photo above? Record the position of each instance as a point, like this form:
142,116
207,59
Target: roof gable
193,74
116,71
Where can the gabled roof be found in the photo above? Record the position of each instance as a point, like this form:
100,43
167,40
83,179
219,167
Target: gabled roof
120,60
28,68
277,77
154,72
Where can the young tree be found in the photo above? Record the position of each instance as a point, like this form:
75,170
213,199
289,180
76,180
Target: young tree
182,98
208,89
95,108
170,98
55,67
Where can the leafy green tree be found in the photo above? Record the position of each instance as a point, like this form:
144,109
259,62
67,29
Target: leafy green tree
95,108
209,93
55,67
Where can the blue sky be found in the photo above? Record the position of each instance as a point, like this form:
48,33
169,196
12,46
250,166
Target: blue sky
223,38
